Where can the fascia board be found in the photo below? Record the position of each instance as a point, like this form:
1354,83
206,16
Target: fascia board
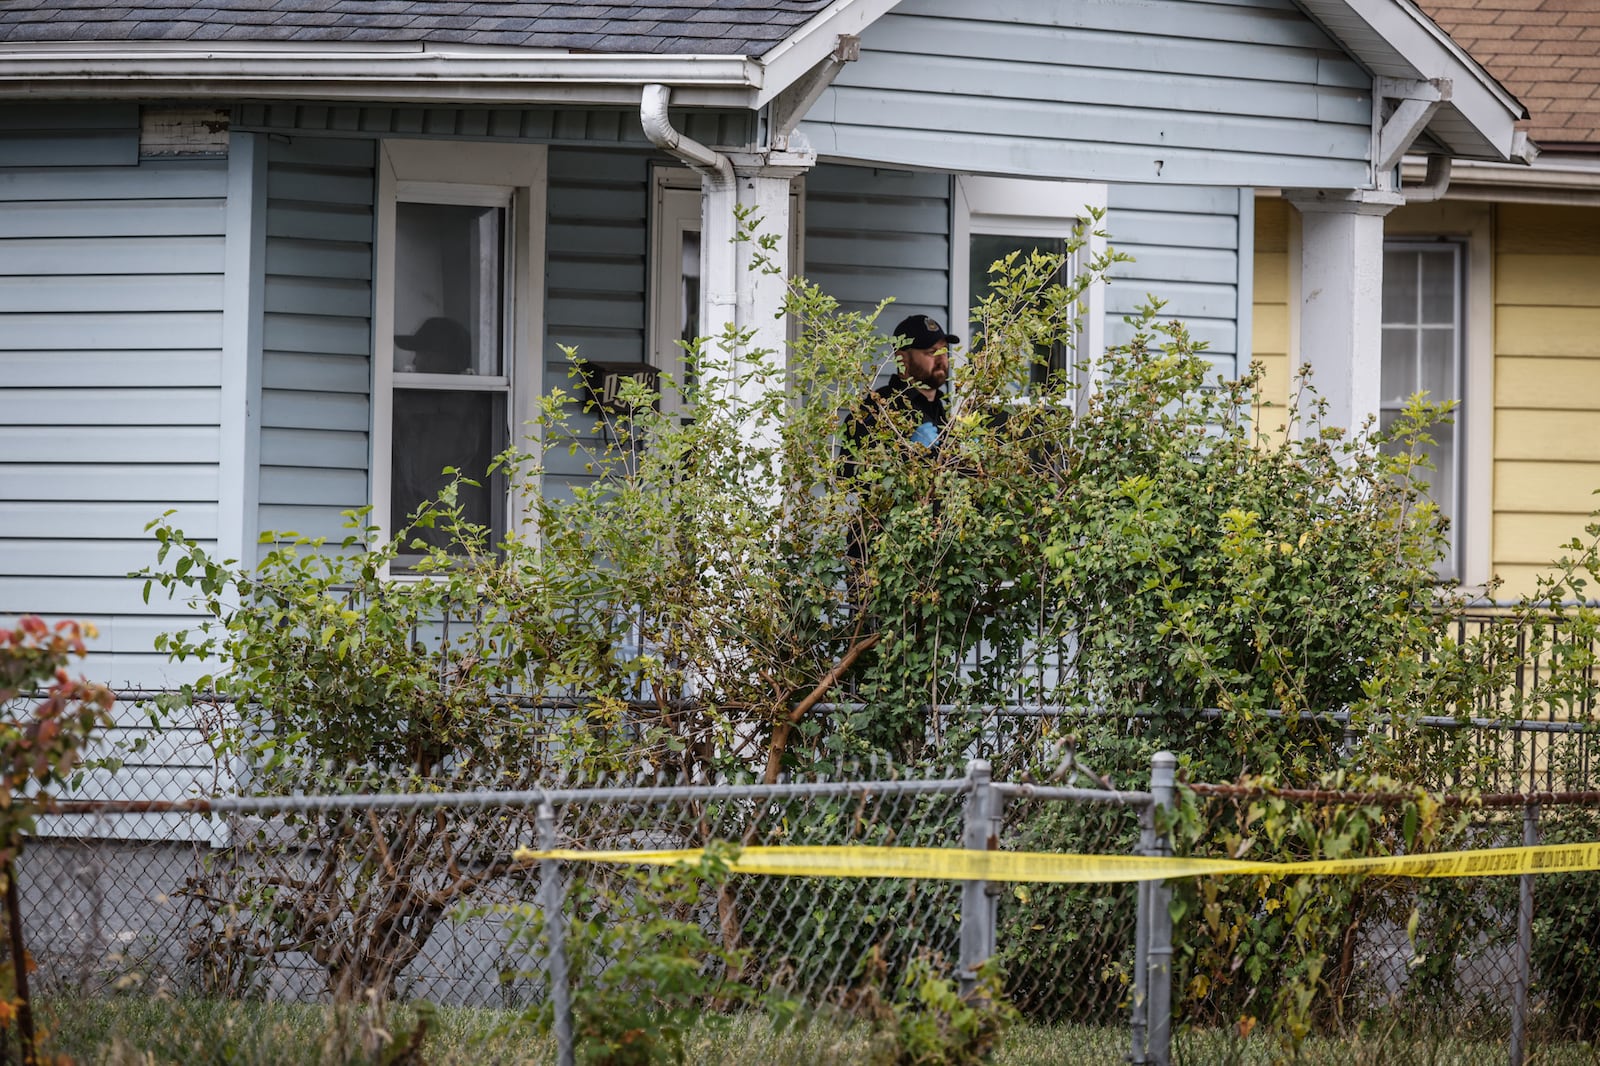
814,42
1424,51
377,75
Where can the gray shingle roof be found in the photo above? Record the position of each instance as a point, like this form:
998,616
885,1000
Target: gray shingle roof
655,27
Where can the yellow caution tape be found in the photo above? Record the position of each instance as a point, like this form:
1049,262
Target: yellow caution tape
958,865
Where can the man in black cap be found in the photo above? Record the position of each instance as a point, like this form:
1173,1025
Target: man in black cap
913,393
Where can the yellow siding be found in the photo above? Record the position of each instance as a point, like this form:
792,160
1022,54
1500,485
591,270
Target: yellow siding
1547,384
1535,539
1517,579
1543,280
1547,436
1547,229
1528,486
1272,289
1269,340
1272,327
1546,329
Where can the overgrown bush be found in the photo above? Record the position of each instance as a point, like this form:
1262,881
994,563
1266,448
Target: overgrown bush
719,596
650,971
924,1020
1281,951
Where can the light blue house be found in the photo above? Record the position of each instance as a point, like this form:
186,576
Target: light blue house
262,261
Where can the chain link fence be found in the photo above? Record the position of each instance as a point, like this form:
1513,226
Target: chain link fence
421,897
1461,969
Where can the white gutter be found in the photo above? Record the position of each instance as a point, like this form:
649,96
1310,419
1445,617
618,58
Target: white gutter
1553,179
378,74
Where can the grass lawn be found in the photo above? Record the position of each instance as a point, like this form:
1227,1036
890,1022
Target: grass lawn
138,1031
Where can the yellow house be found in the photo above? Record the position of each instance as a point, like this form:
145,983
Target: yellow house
1491,298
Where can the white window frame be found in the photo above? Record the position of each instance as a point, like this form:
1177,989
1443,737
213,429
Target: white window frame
462,172
1035,207
675,209
1471,223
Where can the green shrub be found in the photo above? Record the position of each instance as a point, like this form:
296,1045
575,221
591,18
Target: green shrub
648,970
926,1021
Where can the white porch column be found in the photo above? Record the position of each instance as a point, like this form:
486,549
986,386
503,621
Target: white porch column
719,274
745,259
762,263
1341,301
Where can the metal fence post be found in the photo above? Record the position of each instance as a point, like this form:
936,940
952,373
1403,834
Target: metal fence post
1139,1020
1519,990
555,928
980,832
1163,789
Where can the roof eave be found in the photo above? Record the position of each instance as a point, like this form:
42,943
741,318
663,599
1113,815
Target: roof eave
1479,121
815,41
378,75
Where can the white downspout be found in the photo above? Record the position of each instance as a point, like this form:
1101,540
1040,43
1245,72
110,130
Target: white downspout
718,198
1434,184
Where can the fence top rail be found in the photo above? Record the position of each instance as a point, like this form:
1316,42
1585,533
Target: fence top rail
1060,793
483,799
1338,718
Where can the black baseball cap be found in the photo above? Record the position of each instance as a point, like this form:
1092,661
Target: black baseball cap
921,331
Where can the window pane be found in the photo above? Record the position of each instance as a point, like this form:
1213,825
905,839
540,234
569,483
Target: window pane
1442,478
1438,287
988,248
689,288
1398,376
1438,364
449,288
1422,353
435,429
1400,287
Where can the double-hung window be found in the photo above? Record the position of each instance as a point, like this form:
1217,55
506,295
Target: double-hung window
994,217
458,291
1422,352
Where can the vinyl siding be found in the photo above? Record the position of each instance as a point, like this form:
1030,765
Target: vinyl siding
110,369
595,282
316,335
1546,384
1186,246
1198,92
69,135
876,234
111,333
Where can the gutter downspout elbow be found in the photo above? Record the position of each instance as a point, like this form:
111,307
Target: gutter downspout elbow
659,129
1434,183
